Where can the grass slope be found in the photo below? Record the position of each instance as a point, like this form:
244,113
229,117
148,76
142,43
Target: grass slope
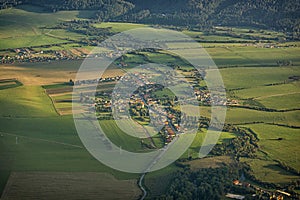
25,101
286,149
250,77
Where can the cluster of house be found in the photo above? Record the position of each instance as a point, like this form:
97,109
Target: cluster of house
29,55
102,104
260,193
162,111
102,100
159,114
97,80
204,96
145,99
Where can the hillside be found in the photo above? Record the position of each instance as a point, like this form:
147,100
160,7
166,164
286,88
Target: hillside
282,15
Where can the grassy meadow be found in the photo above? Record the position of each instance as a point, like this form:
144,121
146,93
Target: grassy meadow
251,77
269,171
25,26
284,149
119,27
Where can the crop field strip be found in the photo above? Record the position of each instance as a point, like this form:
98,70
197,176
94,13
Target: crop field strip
68,185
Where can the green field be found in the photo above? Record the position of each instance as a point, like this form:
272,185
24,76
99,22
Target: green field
286,149
27,41
119,27
242,116
251,77
281,101
30,142
252,56
262,92
25,101
269,171
69,186
118,137
18,29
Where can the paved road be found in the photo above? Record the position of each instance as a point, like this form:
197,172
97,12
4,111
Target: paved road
142,188
163,150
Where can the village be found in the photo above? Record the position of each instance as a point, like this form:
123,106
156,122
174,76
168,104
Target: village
21,55
147,99
153,99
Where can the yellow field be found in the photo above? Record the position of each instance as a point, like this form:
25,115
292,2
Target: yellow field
48,73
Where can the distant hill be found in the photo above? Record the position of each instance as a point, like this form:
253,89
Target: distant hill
283,15
276,14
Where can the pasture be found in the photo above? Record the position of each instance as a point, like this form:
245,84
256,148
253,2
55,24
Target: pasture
262,92
279,143
251,77
25,101
236,115
193,150
239,55
269,171
18,29
244,116
26,41
281,97
119,27
281,101
252,56
119,138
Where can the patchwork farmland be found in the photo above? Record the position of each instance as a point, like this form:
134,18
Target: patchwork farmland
39,144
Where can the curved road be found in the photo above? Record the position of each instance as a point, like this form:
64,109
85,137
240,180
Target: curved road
142,188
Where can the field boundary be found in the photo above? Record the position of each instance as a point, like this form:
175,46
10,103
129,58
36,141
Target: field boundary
52,102
8,185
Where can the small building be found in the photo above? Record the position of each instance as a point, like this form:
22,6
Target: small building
284,193
236,182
